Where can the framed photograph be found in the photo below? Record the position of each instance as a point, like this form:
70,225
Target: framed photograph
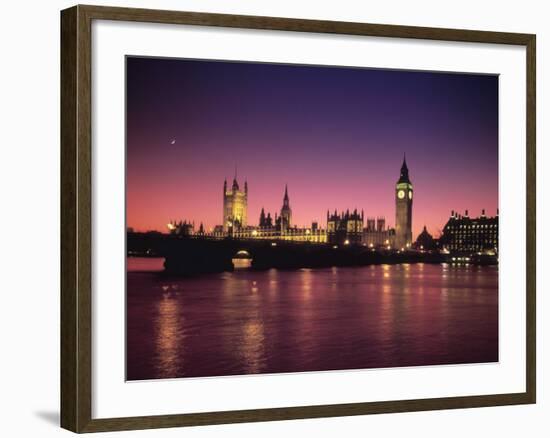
270,218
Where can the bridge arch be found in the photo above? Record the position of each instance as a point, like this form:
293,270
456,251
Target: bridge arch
242,259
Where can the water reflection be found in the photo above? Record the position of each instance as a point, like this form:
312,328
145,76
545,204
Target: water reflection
247,322
242,330
252,346
240,263
169,339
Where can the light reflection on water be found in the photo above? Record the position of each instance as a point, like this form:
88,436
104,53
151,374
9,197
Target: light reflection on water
169,337
248,322
242,263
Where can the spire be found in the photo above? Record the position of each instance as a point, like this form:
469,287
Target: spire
246,186
404,175
286,203
235,183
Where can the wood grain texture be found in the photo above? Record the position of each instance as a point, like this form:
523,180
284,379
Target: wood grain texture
531,246
69,328
76,223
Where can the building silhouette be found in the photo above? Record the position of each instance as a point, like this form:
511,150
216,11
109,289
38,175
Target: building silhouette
278,227
466,235
425,241
285,219
345,228
182,228
265,221
403,209
375,234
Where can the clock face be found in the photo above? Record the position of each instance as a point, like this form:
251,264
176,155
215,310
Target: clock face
401,194
410,194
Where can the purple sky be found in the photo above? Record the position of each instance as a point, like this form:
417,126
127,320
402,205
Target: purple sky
335,135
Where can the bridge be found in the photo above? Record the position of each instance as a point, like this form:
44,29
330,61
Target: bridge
195,255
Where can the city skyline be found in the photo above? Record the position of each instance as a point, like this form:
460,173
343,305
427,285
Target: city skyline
187,131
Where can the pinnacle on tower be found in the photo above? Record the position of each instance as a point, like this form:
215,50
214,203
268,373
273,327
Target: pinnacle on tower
404,174
235,183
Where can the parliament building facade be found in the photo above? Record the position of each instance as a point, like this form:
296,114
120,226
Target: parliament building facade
342,228
461,234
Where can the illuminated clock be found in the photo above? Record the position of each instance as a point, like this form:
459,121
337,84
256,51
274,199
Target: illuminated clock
410,194
401,194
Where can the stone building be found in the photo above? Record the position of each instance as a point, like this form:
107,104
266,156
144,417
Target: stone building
235,204
376,235
403,209
463,234
345,228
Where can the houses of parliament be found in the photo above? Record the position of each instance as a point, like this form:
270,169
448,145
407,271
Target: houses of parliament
347,227
461,234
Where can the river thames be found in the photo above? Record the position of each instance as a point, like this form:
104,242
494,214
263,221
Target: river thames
248,322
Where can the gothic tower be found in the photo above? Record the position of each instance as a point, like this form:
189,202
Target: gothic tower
235,202
286,212
403,209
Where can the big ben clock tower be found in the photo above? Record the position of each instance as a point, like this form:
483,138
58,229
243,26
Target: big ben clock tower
403,209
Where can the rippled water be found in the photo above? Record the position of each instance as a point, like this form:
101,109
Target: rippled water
308,320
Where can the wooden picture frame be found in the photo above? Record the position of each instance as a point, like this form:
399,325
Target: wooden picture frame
76,218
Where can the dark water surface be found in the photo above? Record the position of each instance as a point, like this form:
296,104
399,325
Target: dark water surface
308,320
